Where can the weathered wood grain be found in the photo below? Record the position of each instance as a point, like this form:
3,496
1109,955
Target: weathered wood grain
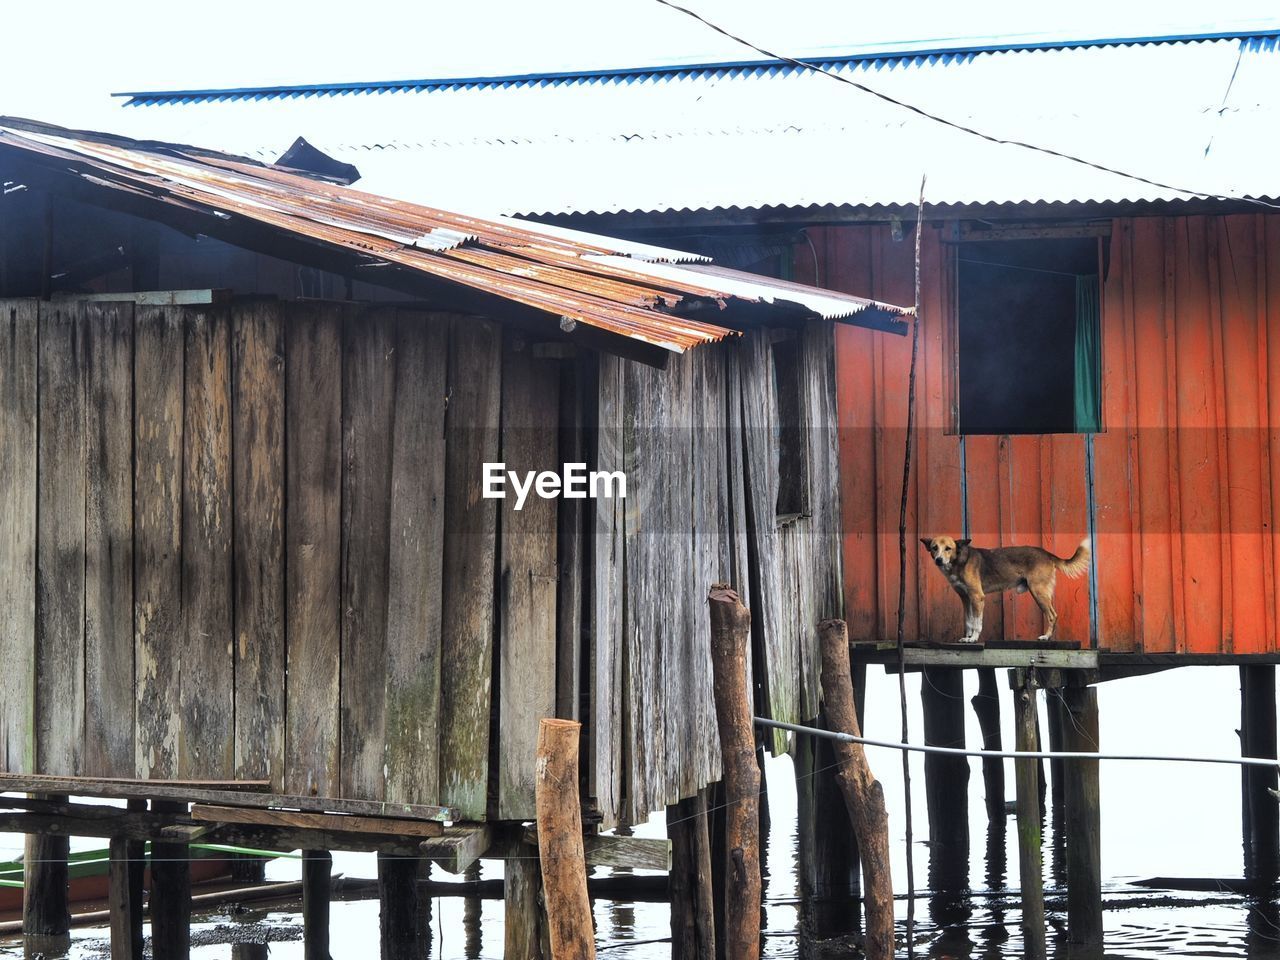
60,542
714,533
776,638
341,823
313,497
368,392
605,729
207,739
108,562
570,546
459,847
471,433
412,671
527,578
674,564
159,347
18,339
257,404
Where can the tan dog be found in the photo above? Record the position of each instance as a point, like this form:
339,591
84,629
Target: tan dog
974,572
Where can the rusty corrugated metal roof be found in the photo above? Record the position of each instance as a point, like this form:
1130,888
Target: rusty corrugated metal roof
626,289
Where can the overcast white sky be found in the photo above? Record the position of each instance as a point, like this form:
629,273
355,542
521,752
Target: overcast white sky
60,60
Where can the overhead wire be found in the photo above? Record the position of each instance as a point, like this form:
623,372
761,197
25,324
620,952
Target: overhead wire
963,128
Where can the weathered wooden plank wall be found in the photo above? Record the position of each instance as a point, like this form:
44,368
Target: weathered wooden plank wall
1183,487
699,444
526,577
18,366
255,545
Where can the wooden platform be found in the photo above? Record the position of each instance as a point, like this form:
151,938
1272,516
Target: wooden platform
1061,655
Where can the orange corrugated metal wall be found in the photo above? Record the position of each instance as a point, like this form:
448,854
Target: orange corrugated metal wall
1183,481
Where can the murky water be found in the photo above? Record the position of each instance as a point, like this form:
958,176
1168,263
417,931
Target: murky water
1166,820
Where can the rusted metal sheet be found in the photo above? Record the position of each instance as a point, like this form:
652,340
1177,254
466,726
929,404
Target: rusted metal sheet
625,289
1179,492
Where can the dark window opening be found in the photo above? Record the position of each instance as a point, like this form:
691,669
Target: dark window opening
1028,336
790,435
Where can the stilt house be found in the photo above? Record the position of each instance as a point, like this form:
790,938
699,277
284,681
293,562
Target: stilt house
245,418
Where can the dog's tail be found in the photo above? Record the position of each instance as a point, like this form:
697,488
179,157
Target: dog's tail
1078,562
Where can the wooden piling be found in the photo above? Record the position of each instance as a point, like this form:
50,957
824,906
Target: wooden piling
46,913
828,864
522,894
560,850
1081,813
986,706
124,905
693,932
1258,739
863,794
317,871
402,929
136,870
730,630
170,901
1027,775
946,778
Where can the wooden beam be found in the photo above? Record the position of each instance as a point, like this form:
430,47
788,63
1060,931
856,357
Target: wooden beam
459,846
606,850
246,794
972,659
317,821
159,298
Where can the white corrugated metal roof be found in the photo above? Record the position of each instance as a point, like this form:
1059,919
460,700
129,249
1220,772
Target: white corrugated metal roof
1199,115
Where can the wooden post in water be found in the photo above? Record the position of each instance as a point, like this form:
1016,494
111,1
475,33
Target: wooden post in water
863,794
1027,775
46,913
946,779
1258,739
693,924
730,630
986,706
401,924
560,849
828,867
317,870
522,893
1081,813
170,902
124,903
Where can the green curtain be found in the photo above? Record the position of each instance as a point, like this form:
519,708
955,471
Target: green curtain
1088,405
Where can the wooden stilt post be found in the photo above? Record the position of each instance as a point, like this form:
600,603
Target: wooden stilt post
401,924
136,869
1082,817
693,933
828,868
124,906
946,778
863,794
1258,736
46,913
522,895
1027,775
472,912
730,628
986,706
317,870
560,848
170,902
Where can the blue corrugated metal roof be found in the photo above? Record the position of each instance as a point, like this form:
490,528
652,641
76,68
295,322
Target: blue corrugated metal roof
914,53
1202,117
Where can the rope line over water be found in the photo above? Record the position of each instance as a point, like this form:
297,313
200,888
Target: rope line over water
1013,754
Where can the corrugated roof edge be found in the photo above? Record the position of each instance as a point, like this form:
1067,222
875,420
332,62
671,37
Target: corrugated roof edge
907,51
